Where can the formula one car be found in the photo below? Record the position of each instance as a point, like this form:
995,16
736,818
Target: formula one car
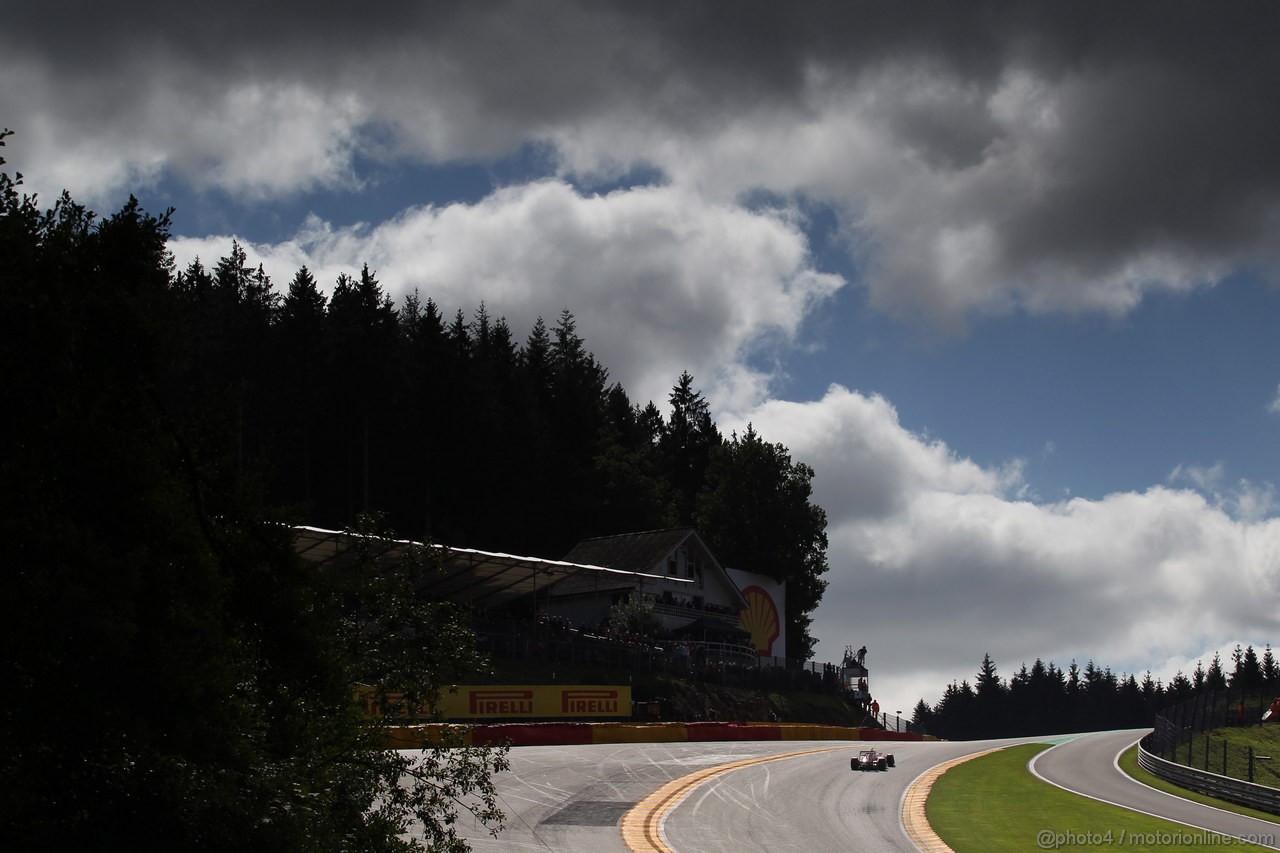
870,759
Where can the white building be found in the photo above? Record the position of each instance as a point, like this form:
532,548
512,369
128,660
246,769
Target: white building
675,569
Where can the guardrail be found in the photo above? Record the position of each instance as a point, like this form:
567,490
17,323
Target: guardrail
547,734
894,723
1223,787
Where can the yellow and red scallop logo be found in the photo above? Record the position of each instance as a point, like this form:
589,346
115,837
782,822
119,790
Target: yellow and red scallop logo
761,619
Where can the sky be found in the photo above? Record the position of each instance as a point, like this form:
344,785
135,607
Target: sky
1003,274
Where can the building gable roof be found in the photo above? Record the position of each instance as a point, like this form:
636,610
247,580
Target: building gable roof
643,553
632,552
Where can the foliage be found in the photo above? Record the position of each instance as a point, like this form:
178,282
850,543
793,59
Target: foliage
634,620
1248,672
170,423
687,443
756,512
1042,699
180,679
330,407
408,647
1047,700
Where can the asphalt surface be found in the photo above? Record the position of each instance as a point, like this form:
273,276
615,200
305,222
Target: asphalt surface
572,798
1087,766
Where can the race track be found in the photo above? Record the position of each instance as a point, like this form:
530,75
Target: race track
571,799
1086,766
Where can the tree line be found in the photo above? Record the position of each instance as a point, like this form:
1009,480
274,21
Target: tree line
454,430
178,677
1045,699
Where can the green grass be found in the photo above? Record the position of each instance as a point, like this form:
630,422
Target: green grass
993,804
1265,740
1129,764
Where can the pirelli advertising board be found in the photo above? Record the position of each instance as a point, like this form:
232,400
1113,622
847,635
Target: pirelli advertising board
521,701
536,701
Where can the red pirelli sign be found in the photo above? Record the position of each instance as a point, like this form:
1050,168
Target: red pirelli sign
536,701
501,703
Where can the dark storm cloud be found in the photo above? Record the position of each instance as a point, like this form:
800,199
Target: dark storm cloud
507,53
1044,155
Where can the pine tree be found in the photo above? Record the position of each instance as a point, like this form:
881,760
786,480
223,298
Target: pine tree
1249,676
365,342
428,374
990,697
631,494
755,510
922,717
1180,688
1270,672
300,338
686,444
1215,679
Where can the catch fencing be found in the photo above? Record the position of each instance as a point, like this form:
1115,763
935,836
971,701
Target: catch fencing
1262,797
1200,744
724,664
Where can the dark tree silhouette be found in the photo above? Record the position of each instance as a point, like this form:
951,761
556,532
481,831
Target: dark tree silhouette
686,444
185,679
756,511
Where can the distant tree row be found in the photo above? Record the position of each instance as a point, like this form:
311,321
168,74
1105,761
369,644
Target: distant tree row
1047,700
456,431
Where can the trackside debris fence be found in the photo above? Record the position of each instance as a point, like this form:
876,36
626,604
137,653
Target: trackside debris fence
1195,744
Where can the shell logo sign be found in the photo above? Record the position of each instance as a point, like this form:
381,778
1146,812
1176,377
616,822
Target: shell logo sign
761,619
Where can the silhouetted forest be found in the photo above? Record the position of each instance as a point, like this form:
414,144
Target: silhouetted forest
328,402
182,679
454,429
1047,700
179,679
448,425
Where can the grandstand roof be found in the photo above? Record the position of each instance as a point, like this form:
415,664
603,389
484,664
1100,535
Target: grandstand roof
466,575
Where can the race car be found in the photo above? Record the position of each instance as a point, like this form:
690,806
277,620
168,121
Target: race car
870,759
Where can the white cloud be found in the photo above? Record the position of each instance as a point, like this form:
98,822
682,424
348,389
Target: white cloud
254,139
1243,499
1274,405
933,563
871,467
659,280
972,173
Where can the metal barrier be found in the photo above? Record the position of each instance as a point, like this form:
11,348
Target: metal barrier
894,723
1250,794
714,663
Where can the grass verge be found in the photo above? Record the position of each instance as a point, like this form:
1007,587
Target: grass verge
1226,751
1129,764
993,804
